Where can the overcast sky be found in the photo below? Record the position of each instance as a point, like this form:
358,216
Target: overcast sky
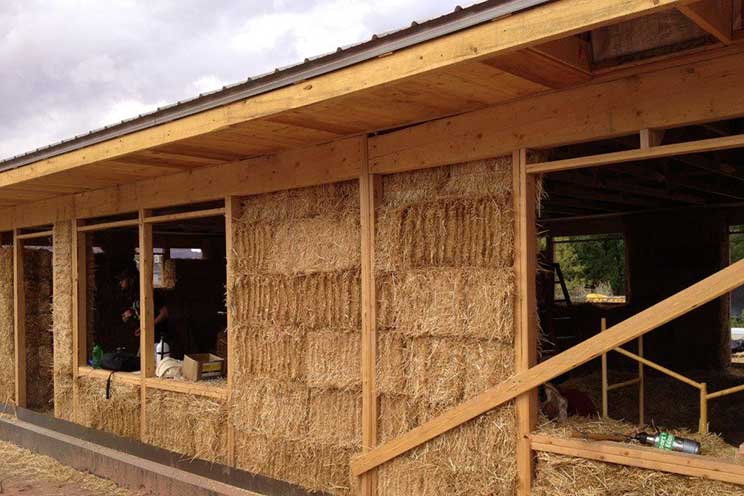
70,66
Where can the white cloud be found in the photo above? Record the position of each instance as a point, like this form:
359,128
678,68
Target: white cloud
70,66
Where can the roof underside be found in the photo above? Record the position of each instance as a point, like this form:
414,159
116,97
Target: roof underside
426,95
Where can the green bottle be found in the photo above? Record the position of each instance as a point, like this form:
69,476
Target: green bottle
97,357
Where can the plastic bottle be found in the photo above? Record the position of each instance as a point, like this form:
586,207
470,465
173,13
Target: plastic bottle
97,357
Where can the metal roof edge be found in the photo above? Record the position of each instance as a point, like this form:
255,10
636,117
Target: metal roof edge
341,59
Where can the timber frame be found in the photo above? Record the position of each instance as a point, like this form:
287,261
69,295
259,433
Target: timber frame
643,99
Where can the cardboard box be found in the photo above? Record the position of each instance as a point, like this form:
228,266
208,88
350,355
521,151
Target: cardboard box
200,366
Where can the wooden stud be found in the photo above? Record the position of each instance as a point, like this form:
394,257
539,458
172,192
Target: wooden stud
651,137
370,189
620,385
19,321
703,428
651,318
79,312
641,385
643,457
605,386
147,325
713,16
233,212
525,260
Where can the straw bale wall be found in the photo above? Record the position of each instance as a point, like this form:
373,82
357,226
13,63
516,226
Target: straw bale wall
296,403
445,293
37,274
120,414
62,316
7,335
193,426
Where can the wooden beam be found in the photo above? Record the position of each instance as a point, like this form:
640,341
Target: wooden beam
531,27
198,214
36,235
233,211
713,16
298,168
370,189
706,467
19,321
700,146
525,259
655,316
705,90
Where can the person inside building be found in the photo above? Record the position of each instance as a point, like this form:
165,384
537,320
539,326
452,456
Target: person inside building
129,284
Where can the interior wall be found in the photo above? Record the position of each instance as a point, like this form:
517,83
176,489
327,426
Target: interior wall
667,253
445,291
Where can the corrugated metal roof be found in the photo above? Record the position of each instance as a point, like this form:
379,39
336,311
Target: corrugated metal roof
379,44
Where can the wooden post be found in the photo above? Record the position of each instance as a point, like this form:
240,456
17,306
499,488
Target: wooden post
79,309
147,315
232,213
605,403
525,259
19,317
370,187
703,408
641,385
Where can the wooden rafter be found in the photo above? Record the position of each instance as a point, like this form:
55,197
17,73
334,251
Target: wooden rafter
713,16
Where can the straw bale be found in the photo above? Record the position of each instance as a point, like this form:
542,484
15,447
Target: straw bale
475,232
323,299
169,277
301,203
333,360
484,178
335,418
313,465
270,407
7,335
120,414
392,355
462,302
194,426
62,317
476,458
270,351
562,475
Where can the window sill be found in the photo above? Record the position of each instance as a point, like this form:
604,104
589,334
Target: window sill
195,388
128,377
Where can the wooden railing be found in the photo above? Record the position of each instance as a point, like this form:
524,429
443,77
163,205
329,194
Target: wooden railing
659,314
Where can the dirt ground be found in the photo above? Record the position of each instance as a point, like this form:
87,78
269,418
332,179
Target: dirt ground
25,473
